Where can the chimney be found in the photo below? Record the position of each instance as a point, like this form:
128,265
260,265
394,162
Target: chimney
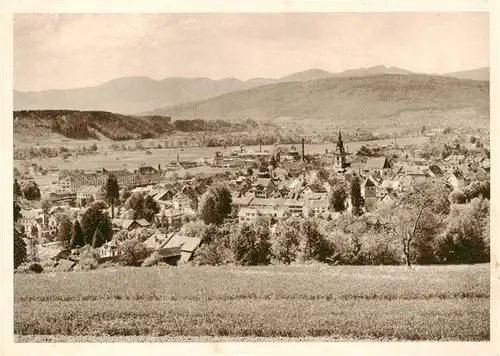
303,157
260,145
159,167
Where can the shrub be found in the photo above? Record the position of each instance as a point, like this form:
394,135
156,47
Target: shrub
133,251
88,259
35,267
152,260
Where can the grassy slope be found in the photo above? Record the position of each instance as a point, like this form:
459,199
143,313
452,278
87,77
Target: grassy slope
341,98
435,303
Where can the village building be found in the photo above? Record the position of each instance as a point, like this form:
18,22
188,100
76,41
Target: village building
263,187
129,224
456,180
87,193
380,165
182,202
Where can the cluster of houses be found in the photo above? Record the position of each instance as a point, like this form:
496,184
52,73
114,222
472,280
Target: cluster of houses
276,192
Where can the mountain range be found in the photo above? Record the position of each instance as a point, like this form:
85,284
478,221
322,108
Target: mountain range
132,95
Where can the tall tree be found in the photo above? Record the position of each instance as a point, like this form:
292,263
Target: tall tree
357,200
208,209
97,239
17,212
287,241
337,199
17,189
65,231
20,252
151,208
112,193
77,238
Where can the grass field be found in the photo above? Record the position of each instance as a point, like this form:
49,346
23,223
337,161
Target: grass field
300,302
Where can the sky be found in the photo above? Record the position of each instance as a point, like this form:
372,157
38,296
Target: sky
61,51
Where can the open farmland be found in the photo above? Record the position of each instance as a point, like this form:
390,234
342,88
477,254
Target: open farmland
131,159
303,301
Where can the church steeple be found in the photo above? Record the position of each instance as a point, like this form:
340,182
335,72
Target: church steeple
340,154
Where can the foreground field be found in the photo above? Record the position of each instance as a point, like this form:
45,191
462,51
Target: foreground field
300,302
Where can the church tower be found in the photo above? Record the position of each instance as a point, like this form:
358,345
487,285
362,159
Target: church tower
339,155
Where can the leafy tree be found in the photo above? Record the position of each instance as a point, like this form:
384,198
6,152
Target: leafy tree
77,238
17,189
20,252
314,246
215,204
112,192
419,215
136,203
151,208
208,209
465,239
251,245
65,231
31,191
338,199
286,244
92,218
357,200
133,251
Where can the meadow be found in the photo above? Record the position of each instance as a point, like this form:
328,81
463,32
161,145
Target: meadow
298,301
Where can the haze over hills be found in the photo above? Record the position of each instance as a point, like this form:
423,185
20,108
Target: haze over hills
342,98
131,95
474,74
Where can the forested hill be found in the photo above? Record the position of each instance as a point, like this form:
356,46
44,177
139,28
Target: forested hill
94,124
345,98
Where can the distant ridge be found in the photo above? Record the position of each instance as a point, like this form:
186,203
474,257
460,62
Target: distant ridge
473,74
342,98
138,94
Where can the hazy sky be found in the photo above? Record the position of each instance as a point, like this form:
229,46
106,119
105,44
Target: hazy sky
74,50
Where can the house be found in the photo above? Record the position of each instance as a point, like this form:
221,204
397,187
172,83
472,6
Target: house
64,265
181,201
164,196
263,187
45,225
188,247
369,188
238,203
435,171
129,224
456,180
109,250
313,191
378,164
87,193
169,216
251,214
316,207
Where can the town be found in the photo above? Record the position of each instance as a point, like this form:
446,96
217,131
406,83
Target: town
157,209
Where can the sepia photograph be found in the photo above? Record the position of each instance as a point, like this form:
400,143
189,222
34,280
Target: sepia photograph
235,177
